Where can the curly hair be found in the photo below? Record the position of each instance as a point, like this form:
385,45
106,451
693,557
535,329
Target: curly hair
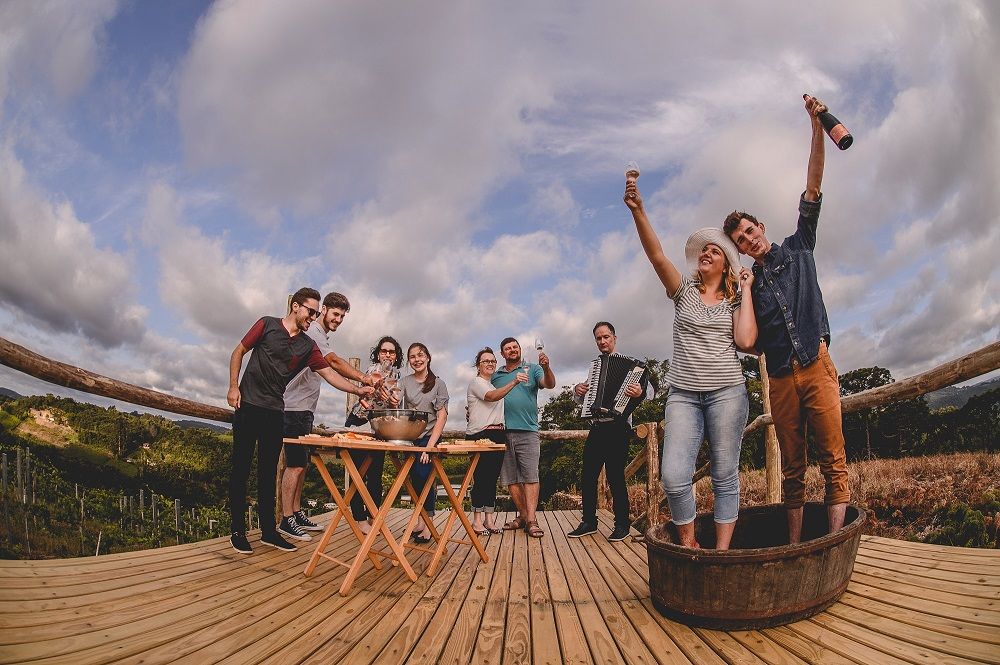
398,362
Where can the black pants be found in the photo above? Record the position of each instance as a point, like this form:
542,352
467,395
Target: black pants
484,478
606,446
253,425
373,481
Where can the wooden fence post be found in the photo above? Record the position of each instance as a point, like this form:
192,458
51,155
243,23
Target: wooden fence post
351,401
772,453
27,475
20,483
651,433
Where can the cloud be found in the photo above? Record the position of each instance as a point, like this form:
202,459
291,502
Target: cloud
52,41
53,272
218,294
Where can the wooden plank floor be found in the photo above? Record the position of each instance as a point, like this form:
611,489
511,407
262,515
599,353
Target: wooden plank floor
549,600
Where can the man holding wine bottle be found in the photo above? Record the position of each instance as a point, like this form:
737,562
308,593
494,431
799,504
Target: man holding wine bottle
793,335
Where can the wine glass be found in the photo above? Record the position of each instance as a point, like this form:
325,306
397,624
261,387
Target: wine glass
539,344
631,174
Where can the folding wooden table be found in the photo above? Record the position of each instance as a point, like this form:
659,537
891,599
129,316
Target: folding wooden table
403,458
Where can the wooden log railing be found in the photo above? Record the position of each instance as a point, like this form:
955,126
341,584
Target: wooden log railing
19,358
969,366
955,371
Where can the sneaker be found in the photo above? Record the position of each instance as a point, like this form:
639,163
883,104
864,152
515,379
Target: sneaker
274,540
305,522
620,533
240,543
291,528
585,529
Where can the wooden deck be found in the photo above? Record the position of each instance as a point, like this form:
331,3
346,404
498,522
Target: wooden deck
551,600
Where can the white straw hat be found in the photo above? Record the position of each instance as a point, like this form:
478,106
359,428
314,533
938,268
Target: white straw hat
697,241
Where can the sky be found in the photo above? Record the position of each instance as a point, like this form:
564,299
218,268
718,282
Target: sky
171,171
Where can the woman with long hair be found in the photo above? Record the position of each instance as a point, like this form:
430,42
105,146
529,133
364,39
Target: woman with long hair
424,391
485,421
386,355
708,392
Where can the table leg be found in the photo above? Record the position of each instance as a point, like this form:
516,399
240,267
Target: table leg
456,511
348,495
342,509
379,526
418,508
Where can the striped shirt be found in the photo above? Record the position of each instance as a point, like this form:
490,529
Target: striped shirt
704,351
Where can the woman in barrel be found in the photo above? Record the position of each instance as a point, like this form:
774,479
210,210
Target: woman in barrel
708,394
485,421
424,391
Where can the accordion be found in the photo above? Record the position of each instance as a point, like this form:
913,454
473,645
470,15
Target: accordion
611,374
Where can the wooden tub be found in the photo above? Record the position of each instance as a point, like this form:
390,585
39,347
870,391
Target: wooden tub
761,581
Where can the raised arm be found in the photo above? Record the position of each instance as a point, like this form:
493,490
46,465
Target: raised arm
548,376
665,270
498,394
817,150
346,370
340,383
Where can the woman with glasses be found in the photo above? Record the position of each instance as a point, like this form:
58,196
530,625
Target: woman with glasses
485,421
386,361
424,391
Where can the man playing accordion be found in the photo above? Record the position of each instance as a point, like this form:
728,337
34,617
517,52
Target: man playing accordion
606,446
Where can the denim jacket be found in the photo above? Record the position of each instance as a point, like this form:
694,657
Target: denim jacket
791,316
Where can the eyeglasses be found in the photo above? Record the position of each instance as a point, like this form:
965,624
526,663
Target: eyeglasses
313,313
487,362
390,352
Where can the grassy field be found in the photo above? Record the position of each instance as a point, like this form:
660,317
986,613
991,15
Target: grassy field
949,499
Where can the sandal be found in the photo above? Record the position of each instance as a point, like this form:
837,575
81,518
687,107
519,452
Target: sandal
514,524
420,540
484,532
533,530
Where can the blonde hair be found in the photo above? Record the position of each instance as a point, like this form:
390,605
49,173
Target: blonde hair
730,283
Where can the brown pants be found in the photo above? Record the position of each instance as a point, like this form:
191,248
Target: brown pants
810,395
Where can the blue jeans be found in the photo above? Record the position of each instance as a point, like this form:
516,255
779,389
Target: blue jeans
420,474
690,415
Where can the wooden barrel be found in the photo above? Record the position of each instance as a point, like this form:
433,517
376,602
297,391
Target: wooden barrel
760,582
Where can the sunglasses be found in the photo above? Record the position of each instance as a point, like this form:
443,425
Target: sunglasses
388,351
313,313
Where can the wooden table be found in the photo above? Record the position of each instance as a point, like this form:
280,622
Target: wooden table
403,457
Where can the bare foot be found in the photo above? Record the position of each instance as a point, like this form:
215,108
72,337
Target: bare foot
365,526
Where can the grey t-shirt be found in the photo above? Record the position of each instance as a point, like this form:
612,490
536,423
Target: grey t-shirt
413,398
302,392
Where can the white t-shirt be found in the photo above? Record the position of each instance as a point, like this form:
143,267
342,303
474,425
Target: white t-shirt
302,392
481,412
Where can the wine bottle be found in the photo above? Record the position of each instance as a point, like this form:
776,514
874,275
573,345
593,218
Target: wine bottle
835,129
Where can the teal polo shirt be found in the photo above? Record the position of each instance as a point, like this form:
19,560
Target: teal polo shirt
520,406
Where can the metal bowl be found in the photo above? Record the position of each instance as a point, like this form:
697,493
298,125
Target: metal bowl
398,425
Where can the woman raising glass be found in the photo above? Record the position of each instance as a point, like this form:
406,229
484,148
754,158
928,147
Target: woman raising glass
485,416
